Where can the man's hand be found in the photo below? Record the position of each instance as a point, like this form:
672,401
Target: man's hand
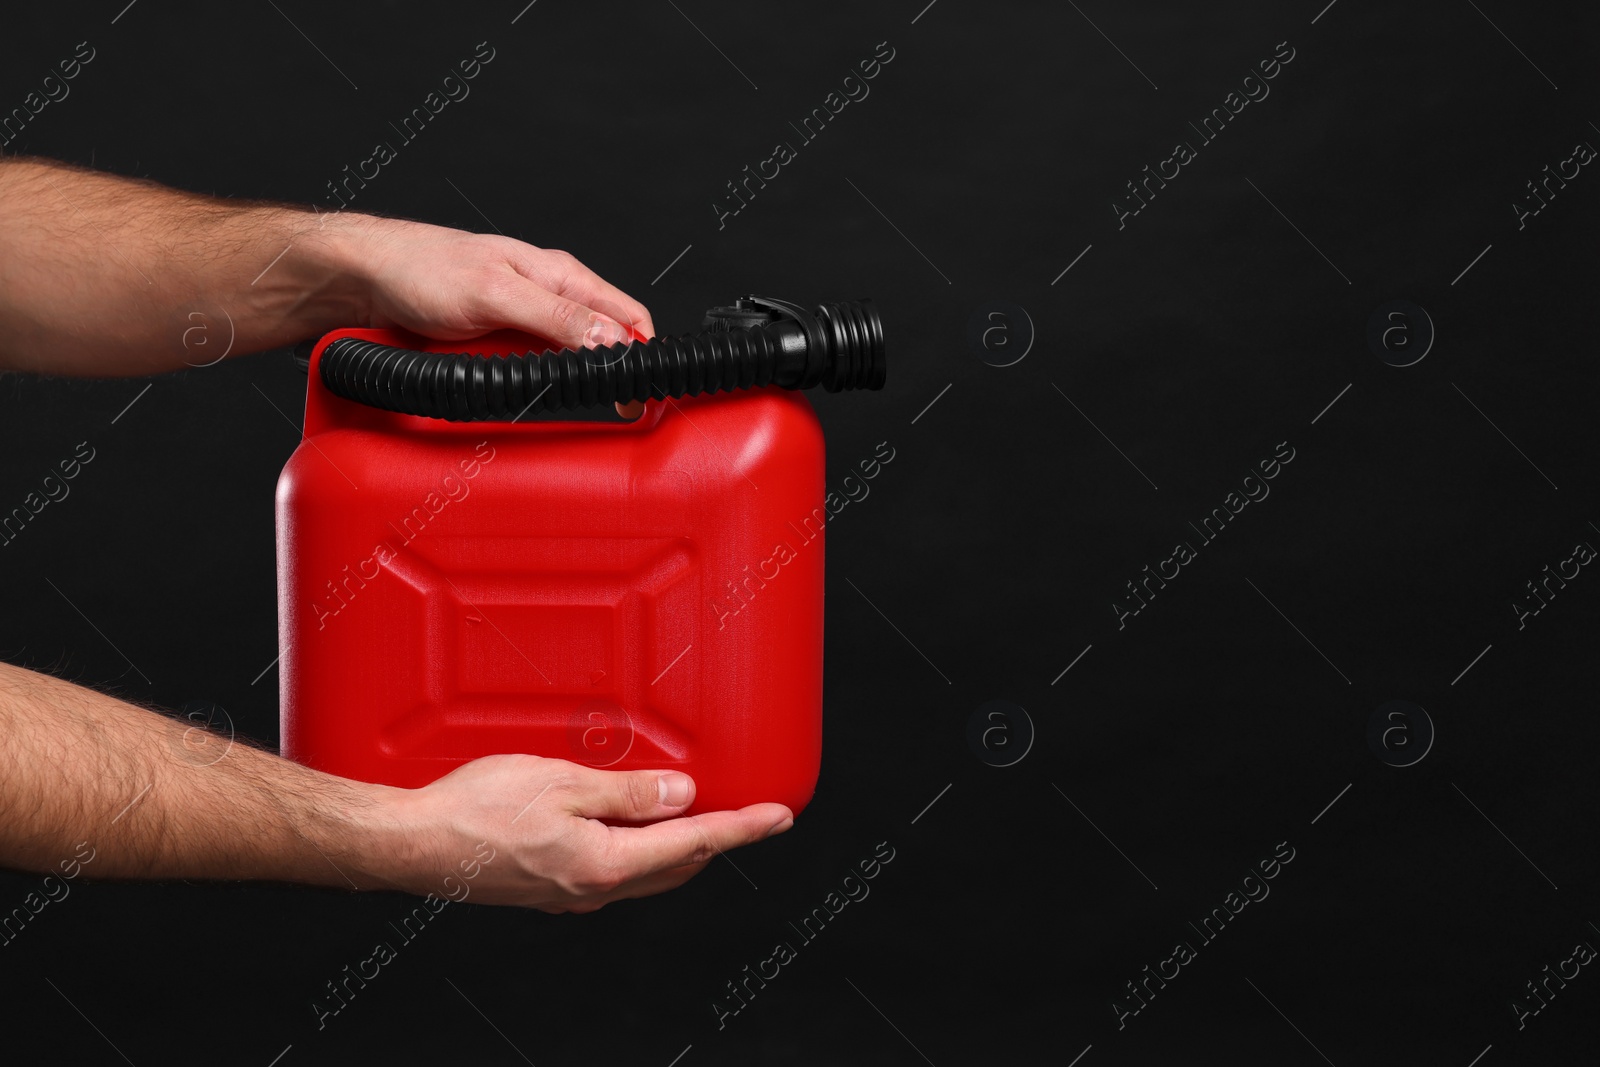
107,276
552,852
454,286
149,797
451,285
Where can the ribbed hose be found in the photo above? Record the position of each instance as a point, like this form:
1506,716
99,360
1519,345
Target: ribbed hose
840,347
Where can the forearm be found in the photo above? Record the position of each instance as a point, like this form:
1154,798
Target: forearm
108,275
151,796
87,779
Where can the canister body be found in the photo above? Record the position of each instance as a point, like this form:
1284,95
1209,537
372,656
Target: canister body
623,595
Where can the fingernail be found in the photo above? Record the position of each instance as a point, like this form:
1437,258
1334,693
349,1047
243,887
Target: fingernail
674,789
603,331
781,826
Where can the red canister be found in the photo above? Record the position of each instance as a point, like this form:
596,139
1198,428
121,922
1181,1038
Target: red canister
628,595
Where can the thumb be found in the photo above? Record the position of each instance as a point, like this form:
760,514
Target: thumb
634,796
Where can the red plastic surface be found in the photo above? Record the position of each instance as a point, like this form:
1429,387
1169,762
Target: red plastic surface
624,595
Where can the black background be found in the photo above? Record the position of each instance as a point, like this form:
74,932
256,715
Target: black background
1222,720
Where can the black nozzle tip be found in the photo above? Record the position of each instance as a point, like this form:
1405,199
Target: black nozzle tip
856,358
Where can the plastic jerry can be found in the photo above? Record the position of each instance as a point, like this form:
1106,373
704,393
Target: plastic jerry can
627,595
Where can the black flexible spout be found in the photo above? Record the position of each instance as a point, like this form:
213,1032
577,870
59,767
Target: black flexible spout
758,341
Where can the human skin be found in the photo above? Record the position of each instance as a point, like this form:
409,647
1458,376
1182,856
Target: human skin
100,276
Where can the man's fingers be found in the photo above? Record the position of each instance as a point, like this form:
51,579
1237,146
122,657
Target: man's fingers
659,882
528,307
531,308
565,275
644,850
578,282
634,796
648,886
582,284
577,308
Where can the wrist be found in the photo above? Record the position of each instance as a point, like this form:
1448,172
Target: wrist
336,271
387,837
358,836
